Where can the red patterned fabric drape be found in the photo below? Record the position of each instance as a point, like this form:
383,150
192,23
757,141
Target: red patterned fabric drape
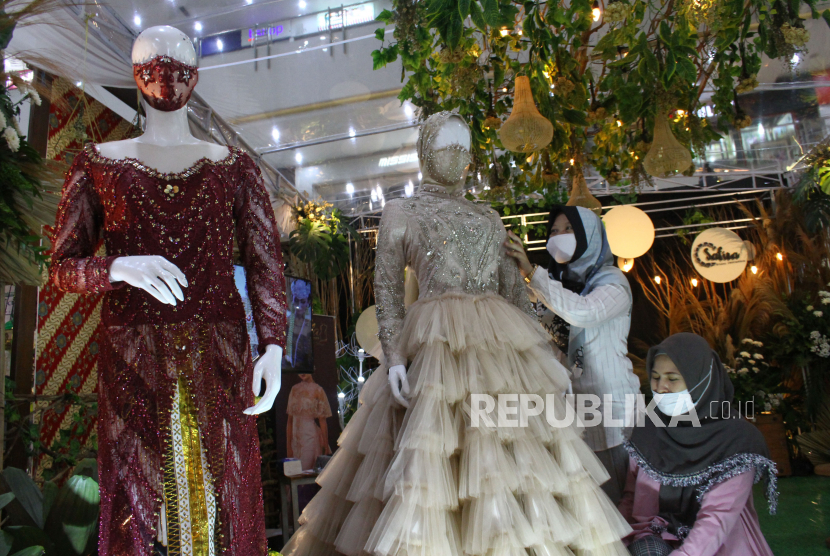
68,324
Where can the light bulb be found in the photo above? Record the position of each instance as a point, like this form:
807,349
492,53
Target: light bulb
341,395
504,32
299,158
351,132
302,4
779,256
137,20
754,269
504,90
361,379
374,196
657,279
350,188
625,264
596,12
197,26
694,282
619,123
219,44
420,176
275,134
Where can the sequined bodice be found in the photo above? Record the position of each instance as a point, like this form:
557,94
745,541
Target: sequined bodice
190,218
452,245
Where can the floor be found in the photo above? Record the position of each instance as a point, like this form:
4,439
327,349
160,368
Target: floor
803,520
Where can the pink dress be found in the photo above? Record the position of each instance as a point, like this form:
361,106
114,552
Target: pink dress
726,524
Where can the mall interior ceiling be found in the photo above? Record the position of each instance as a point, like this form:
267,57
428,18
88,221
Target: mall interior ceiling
293,80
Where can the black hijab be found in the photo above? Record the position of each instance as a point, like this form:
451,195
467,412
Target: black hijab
686,460
559,271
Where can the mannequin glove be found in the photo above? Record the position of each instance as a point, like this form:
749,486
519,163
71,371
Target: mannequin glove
399,384
151,273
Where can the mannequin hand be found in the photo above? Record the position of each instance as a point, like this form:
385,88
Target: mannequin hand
513,248
399,384
151,273
268,366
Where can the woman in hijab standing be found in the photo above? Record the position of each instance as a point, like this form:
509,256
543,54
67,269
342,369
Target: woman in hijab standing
689,488
584,302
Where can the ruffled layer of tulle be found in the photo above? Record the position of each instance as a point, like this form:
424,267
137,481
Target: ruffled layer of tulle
424,481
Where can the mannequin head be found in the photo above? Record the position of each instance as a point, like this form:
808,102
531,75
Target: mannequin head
444,150
164,67
301,294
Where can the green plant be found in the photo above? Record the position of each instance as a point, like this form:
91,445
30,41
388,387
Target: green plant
321,239
802,341
67,450
24,175
54,521
599,78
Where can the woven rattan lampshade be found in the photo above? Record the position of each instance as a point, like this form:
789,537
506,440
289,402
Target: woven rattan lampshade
666,155
526,130
581,195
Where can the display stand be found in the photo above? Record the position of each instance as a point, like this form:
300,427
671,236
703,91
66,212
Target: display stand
288,486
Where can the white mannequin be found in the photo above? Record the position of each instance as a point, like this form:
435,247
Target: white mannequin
167,146
453,132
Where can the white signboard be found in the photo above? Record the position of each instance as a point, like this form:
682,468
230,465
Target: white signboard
719,255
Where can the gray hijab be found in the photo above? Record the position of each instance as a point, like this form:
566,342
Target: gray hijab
592,268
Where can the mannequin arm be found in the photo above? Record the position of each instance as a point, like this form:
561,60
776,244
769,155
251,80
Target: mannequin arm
512,285
390,263
74,267
324,436
269,367
259,247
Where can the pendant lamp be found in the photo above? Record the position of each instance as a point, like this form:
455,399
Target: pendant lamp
666,155
526,130
580,194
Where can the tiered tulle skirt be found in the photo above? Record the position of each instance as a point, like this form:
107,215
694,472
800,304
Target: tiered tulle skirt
424,481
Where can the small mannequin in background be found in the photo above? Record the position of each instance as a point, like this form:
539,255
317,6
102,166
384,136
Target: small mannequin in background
307,432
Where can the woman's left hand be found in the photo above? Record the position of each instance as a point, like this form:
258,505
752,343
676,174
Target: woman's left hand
513,248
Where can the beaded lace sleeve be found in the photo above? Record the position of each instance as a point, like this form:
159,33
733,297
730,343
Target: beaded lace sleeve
74,267
390,263
259,245
512,285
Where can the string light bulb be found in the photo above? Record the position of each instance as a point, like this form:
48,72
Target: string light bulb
779,256
694,282
504,32
595,11
658,279
625,264
754,269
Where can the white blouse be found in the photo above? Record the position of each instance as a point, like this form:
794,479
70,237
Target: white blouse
605,315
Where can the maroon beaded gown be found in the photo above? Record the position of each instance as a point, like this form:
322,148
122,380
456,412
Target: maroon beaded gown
190,218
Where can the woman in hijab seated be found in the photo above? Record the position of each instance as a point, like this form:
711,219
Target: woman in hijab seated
689,487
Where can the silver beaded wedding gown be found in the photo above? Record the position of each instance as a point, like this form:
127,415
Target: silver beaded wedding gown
424,481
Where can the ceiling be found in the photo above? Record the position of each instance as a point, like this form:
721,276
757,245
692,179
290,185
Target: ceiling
311,104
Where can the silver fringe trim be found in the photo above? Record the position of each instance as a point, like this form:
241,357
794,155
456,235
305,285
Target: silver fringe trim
715,474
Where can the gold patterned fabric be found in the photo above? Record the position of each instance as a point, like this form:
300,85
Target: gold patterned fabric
190,504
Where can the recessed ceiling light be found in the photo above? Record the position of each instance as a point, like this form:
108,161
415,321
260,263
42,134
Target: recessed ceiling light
137,20
197,26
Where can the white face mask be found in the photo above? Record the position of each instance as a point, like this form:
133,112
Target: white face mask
674,403
562,247
678,403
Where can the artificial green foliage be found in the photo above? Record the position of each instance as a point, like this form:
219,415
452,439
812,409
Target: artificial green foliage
66,450
52,522
321,239
600,82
